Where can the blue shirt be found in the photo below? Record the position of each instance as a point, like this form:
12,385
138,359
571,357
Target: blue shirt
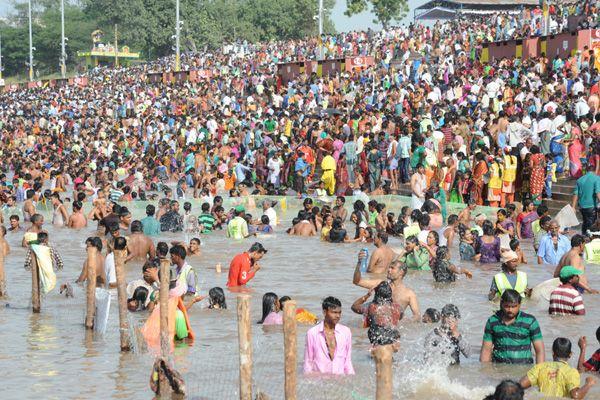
300,165
150,226
548,253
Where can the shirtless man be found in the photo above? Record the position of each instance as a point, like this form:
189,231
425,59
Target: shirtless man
464,217
304,227
98,261
339,210
29,206
193,249
573,258
77,220
4,247
401,294
139,246
382,256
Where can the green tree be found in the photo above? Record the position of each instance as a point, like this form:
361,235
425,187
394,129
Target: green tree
386,11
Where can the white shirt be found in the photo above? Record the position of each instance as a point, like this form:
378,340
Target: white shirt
581,108
270,212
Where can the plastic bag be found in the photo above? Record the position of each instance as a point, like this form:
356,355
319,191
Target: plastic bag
567,218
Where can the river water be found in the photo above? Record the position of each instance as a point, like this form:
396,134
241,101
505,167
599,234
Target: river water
51,356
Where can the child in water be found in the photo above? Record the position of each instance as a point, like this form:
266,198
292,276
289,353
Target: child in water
431,316
467,245
443,270
515,246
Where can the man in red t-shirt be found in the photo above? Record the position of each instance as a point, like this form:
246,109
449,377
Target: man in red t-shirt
244,266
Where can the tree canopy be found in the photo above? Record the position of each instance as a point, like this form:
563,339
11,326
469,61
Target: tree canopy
386,11
147,26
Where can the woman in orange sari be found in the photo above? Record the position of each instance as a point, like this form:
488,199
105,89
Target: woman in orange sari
538,174
479,172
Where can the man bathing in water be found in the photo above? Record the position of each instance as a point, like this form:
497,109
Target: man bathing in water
303,227
192,249
401,294
573,258
99,262
77,220
382,256
139,246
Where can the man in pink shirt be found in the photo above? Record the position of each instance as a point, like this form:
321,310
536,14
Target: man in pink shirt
328,346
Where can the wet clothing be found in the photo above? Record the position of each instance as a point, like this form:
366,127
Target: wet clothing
239,270
554,378
467,251
171,221
441,271
417,259
512,343
382,321
593,364
337,235
150,226
490,252
441,342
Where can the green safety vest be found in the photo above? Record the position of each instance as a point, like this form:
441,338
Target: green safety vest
592,251
503,284
182,279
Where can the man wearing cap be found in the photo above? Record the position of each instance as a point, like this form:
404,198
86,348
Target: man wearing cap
237,228
566,299
244,266
509,278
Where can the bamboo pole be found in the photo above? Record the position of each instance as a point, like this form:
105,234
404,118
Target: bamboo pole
36,301
290,348
245,346
92,254
383,370
165,343
120,256
2,275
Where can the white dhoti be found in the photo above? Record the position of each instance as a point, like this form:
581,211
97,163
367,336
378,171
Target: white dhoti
416,202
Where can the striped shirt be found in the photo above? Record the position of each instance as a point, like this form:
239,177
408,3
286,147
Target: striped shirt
207,221
512,343
566,300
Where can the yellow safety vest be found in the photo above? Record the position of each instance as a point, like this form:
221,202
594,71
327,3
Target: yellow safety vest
495,179
592,252
503,284
510,169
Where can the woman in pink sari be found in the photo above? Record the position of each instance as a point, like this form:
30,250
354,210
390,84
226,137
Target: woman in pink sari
576,149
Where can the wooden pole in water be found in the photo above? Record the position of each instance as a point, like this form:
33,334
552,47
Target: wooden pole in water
165,343
92,253
290,348
383,370
2,275
120,256
36,301
245,346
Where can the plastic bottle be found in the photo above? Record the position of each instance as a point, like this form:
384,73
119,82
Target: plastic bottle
364,264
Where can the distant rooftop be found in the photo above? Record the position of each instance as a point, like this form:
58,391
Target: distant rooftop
449,9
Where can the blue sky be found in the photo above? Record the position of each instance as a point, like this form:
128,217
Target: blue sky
342,23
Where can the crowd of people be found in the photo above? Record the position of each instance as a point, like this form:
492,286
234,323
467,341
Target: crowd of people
428,115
